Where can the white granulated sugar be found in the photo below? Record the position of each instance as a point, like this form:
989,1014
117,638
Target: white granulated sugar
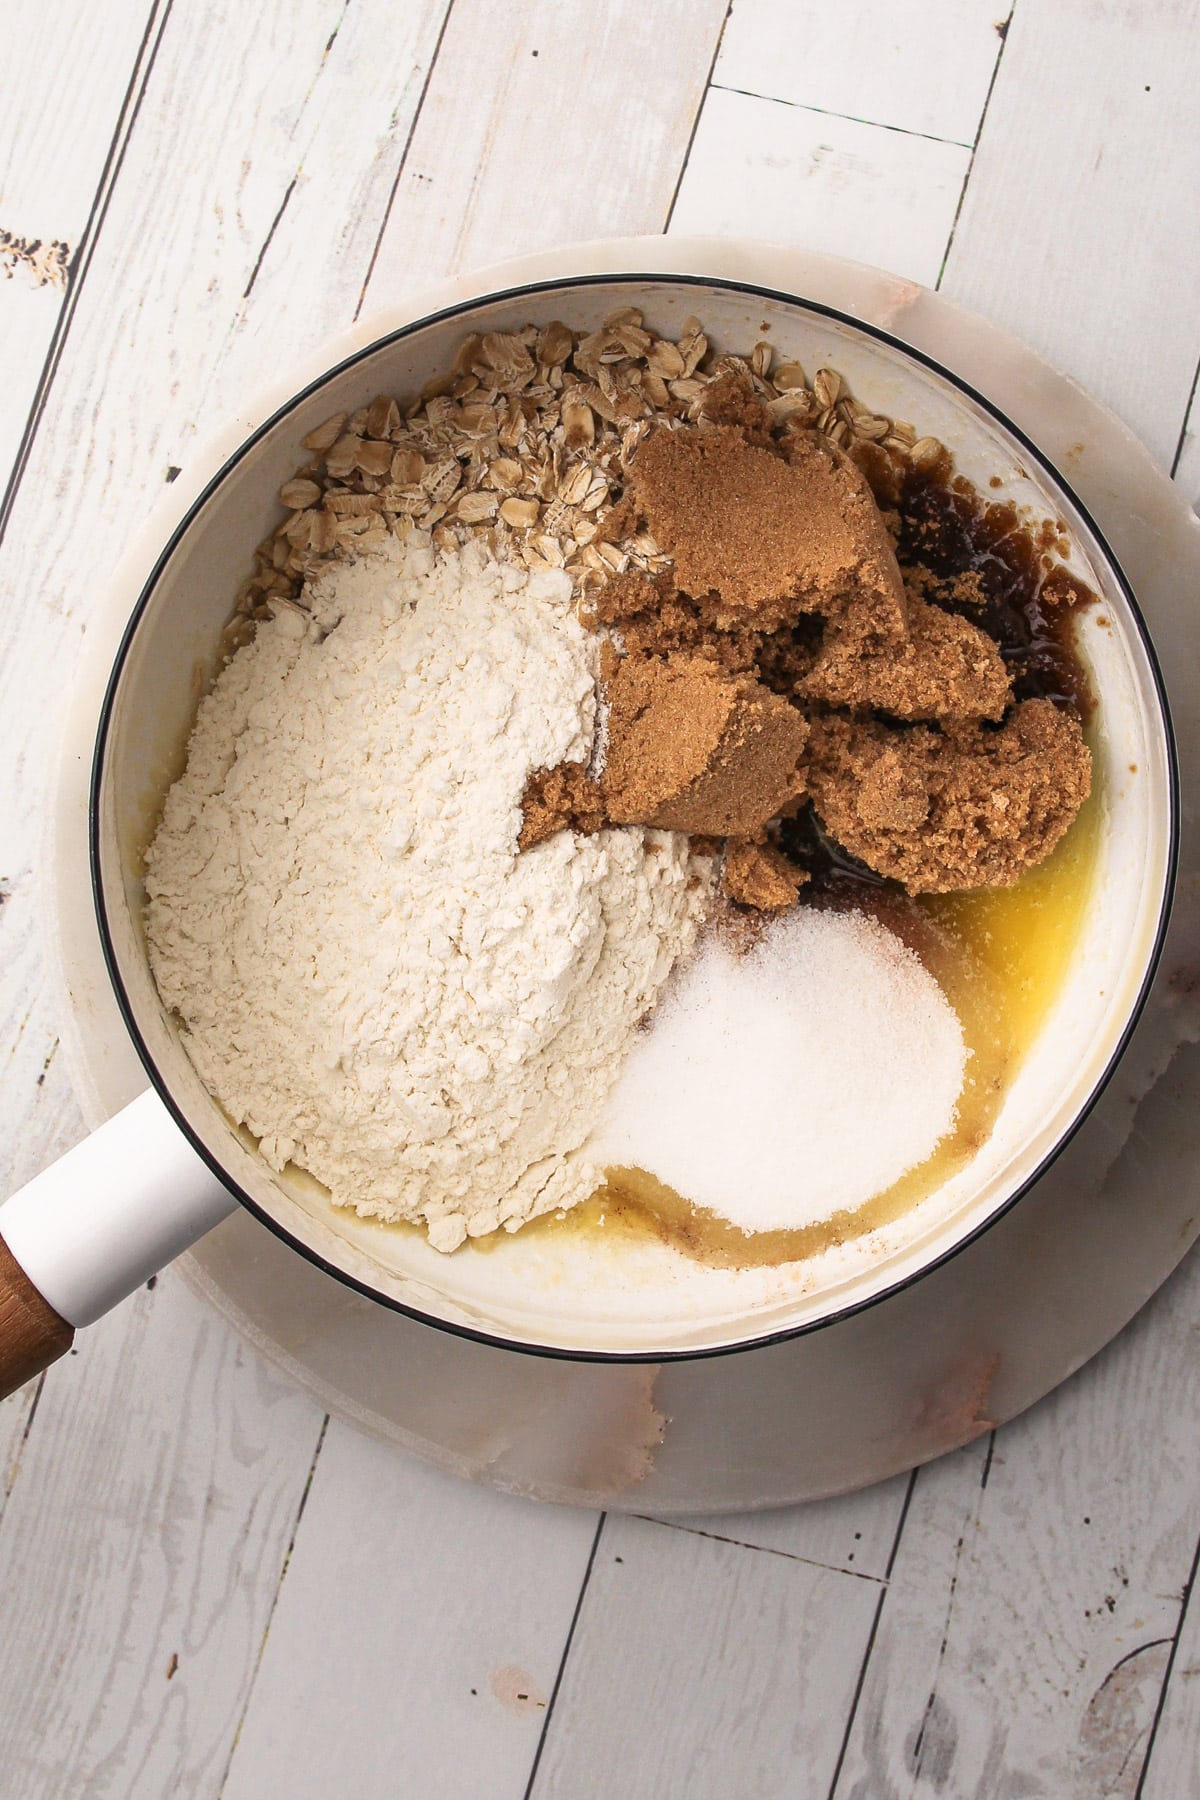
369,975
778,1086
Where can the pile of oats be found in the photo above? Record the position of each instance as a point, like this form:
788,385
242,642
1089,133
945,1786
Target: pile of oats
526,441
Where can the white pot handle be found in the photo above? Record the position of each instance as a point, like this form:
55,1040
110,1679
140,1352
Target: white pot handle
95,1225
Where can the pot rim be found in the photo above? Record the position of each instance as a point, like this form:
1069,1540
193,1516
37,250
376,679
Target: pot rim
458,309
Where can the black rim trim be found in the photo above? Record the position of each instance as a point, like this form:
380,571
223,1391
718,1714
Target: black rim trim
786,1333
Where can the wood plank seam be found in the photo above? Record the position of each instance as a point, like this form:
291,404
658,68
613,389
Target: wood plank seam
958,1550
856,1696
1187,420
1160,1707
82,255
566,1651
400,167
829,112
718,1537
291,186
283,1569
14,1467
288,191
1002,30
708,84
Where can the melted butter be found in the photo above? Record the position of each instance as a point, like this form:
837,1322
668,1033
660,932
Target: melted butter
1001,957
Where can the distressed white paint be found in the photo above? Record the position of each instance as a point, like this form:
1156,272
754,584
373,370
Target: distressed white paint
61,113
419,1630
15,1415
702,1668
1187,468
793,175
856,1534
560,123
1074,232
152,1501
1175,1751
921,68
140,1552
1027,1626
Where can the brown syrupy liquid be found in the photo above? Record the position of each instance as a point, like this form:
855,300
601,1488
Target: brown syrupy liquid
1027,603
1028,594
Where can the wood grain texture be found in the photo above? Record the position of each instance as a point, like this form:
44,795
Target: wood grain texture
919,68
140,1553
60,115
267,153
856,1534
794,175
32,1335
1071,233
16,1416
1027,1626
416,1639
1187,464
1174,1753
563,124
702,1669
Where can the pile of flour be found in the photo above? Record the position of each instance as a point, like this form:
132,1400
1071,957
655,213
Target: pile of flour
369,976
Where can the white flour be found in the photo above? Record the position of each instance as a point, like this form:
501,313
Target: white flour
370,978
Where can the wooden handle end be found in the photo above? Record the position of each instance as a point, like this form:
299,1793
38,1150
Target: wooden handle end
32,1335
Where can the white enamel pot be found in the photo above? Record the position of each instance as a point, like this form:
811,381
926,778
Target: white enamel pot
172,1165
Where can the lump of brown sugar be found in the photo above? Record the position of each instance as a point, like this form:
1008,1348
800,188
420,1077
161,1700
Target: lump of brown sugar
757,537
947,670
693,749
558,797
946,812
759,876
653,616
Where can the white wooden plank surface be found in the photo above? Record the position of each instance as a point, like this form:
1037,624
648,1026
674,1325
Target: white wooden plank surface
416,1639
1022,1643
793,175
15,1416
921,68
268,151
140,1553
60,115
704,1670
856,1533
1187,463
1073,231
568,123
1174,1755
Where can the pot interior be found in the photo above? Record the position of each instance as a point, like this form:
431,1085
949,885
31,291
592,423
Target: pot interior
564,1289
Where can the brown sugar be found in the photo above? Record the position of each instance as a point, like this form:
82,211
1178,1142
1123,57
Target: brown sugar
954,810
554,798
947,669
729,400
694,749
784,610
761,877
652,616
756,538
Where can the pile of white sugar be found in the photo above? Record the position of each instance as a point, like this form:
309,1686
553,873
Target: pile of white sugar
786,1083
368,974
